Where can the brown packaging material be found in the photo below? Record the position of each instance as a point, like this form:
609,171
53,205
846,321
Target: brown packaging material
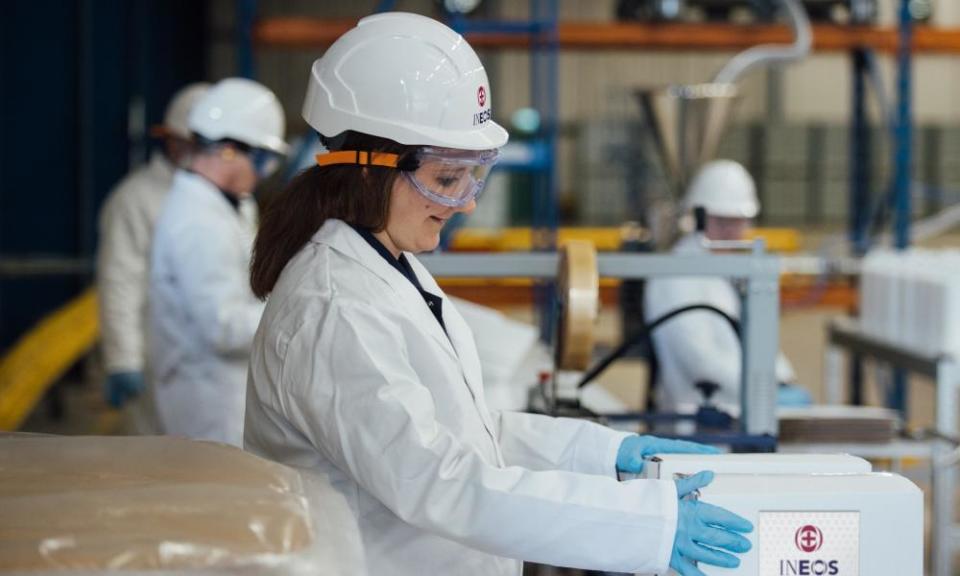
162,504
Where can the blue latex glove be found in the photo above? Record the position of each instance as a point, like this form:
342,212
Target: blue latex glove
704,531
634,449
793,396
121,387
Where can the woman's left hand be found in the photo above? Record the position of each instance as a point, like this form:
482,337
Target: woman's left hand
635,449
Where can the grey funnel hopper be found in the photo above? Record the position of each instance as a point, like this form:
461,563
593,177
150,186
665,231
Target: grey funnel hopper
686,123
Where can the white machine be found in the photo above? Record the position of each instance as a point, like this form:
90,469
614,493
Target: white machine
813,515
675,465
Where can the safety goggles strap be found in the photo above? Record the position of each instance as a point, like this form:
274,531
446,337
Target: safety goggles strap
360,157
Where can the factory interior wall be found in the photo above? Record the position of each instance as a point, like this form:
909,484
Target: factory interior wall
87,89
589,93
773,130
598,83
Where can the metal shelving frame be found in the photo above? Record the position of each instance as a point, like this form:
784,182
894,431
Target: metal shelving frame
844,334
898,198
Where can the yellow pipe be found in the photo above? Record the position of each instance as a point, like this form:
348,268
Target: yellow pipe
605,239
43,355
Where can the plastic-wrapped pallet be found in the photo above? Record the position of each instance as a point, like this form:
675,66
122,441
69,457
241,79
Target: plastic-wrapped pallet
162,505
873,286
912,298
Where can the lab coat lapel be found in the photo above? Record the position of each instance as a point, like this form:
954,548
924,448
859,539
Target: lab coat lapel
459,345
345,239
466,350
460,335
204,191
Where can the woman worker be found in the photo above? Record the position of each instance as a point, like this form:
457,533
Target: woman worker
361,369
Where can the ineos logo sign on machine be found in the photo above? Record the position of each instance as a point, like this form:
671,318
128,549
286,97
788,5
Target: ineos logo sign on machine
809,543
808,538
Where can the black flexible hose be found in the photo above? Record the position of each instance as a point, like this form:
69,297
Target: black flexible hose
644,336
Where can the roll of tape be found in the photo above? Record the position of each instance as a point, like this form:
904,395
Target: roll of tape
578,294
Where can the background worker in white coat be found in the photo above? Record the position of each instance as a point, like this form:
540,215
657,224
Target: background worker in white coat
202,313
126,229
362,368
701,345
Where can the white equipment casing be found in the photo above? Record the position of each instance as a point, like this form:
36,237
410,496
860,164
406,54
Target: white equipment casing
827,523
667,466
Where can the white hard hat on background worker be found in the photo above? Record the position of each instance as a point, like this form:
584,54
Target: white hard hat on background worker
126,228
700,345
202,312
724,189
242,110
362,368
177,114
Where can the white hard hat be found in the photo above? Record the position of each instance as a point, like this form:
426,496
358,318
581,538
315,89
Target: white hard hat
406,78
175,117
242,110
724,188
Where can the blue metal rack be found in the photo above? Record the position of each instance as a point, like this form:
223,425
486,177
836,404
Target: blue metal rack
246,17
898,196
903,155
541,28
904,131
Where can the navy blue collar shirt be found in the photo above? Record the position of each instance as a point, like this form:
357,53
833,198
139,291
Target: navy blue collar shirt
434,302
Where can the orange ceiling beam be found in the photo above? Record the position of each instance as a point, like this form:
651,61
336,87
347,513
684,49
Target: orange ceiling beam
319,33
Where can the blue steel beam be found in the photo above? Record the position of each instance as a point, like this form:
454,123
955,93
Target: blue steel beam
904,149
246,16
904,140
859,214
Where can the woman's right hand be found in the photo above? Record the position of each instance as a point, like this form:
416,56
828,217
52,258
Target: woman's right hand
705,530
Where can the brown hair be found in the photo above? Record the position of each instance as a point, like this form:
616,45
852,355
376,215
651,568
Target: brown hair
357,195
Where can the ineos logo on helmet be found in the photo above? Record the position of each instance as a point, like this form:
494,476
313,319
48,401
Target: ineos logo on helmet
481,117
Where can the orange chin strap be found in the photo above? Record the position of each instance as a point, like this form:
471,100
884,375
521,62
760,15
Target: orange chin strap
360,157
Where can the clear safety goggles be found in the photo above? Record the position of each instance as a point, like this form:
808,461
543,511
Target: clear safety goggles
451,177
446,176
265,162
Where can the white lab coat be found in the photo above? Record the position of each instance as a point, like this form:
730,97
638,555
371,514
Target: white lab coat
697,345
352,376
126,228
203,314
